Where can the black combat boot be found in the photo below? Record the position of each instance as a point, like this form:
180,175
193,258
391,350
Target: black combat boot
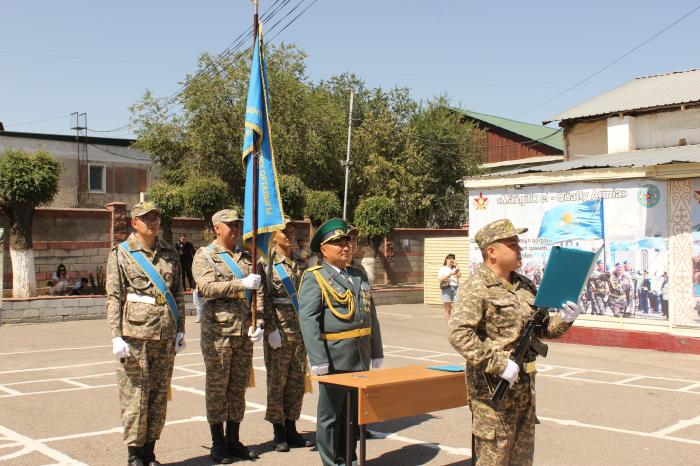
219,451
294,438
149,456
234,444
280,439
135,457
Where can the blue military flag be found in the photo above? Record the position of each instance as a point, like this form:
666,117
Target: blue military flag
576,220
258,139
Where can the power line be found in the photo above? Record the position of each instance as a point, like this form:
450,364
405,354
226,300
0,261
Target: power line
294,19
131,157
37,121
596,73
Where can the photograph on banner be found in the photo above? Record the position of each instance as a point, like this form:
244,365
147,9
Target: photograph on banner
628,219
695,225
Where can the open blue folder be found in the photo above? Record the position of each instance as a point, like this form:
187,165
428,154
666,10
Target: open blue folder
447,368
565,276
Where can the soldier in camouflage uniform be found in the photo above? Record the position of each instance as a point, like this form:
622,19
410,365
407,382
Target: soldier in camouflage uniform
599,290
145,333
285,355
617,298
340,328
228,334
491,311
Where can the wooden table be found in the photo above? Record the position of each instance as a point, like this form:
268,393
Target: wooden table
395,393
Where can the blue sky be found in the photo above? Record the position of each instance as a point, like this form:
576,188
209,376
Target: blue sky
501,58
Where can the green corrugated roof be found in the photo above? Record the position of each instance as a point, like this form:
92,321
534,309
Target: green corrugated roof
526,130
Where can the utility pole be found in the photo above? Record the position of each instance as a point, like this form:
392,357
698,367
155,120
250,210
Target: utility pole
347,162
79,126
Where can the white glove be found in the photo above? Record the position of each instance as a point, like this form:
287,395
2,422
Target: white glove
570,311
511,373
255,333
321,369
275,339
251,282
377,363
180,342
119,348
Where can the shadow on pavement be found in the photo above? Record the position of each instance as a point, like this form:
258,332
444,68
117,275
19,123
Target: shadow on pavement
396,425
408,455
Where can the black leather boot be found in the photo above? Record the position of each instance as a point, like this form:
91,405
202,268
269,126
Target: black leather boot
280,439
149,456
135,457
234,444
294,438
219,451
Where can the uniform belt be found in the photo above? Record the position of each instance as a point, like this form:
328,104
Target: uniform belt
530,367
357,333
140,298
281,301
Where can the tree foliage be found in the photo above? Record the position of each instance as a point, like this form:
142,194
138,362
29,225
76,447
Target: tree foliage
205,196
170,201
321,206
293,194
412,152
29,178
375,217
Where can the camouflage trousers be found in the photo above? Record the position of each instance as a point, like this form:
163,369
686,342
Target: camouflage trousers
144,378
598,304
285,378
228,361
506,437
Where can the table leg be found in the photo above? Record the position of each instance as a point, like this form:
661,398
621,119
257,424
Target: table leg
349,433
362,445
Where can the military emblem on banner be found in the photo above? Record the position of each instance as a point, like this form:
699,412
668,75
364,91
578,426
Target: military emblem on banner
481,202
648,195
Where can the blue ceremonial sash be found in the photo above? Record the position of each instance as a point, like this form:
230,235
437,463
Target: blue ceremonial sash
153,275
288,285
233,267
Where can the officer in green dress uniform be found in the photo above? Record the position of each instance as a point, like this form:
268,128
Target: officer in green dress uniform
340,330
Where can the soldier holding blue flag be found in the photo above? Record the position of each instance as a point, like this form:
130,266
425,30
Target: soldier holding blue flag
223,278
285,355
146,315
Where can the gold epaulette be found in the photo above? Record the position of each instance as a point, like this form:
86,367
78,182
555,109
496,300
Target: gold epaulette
310,269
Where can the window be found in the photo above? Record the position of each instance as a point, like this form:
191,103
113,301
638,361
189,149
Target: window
97,179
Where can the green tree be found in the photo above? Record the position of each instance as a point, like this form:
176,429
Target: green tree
375,217
170,200
321,206
203,197
27,180
293,194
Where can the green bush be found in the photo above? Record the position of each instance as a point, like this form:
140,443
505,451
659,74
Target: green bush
293,194
375,217
205,196
321,206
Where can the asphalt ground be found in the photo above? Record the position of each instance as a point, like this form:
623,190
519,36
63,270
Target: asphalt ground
597,405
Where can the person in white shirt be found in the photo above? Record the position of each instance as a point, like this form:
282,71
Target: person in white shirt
448,276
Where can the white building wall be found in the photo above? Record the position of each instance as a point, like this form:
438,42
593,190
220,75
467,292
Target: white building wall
621,134
666,129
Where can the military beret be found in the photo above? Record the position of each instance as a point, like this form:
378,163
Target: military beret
330,230
495,231
224,216
143,208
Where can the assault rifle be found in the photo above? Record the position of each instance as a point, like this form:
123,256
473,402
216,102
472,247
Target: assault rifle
527,342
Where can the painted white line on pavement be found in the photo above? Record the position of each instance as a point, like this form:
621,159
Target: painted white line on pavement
48,350
58,379
395,314
567,374
603,382
628,380
35,445
260,407
8,390
191,371
76,383
682,424
689,387
568,422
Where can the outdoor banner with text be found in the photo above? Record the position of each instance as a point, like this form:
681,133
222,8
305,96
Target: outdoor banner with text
628,219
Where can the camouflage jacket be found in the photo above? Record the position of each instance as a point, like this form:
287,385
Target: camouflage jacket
226,311
125,280
273,298
489,317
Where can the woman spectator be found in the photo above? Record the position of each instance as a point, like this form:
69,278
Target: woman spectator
58,284
449,276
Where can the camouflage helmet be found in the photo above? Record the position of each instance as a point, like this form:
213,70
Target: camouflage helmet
224,216
142,208
495,231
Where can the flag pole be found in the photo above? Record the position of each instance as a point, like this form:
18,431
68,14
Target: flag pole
256,156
